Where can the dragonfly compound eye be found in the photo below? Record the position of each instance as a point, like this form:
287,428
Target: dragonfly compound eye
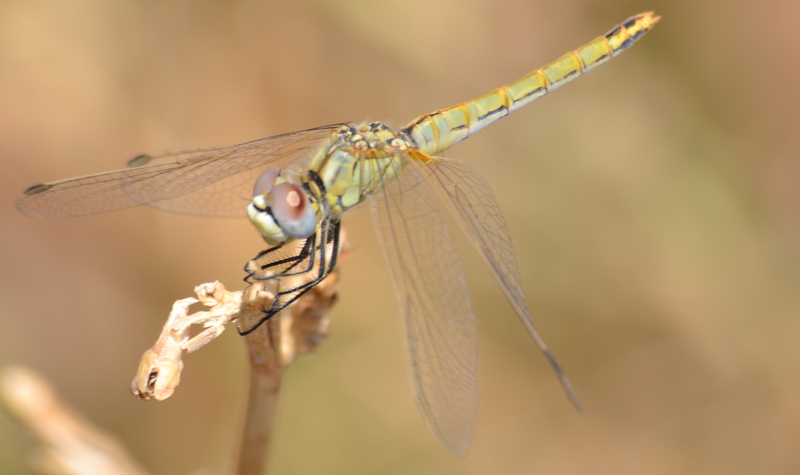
292,210
266,181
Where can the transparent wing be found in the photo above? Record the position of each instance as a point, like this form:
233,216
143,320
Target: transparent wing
435,305
470,198
210,182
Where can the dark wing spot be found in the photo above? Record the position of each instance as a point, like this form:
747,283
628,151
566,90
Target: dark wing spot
37,189
139,160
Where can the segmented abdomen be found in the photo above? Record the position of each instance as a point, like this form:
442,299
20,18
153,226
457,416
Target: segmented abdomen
435,132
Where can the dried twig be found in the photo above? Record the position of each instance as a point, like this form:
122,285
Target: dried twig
297,330
69,444
271,347
72,446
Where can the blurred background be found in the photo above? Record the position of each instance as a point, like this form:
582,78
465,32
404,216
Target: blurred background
654,204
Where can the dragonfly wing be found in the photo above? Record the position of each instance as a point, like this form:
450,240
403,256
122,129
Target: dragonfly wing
210,182
435,305
468,195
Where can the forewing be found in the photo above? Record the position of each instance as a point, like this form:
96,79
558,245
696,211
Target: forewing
467,193
211,182
435,305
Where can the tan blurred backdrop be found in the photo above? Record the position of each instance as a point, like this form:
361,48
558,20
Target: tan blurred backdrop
655,207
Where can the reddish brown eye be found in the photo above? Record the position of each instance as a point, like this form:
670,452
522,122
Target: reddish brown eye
265,182
292,210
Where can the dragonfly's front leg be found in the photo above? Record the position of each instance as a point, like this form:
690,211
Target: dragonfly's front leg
304,252
329,234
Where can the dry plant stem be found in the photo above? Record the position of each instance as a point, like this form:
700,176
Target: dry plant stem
275,344
69,444
160,368
297,330
266,369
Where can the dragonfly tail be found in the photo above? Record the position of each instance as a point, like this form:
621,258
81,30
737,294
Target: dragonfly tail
435,132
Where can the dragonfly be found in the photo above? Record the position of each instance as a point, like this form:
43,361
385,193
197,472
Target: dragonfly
296,187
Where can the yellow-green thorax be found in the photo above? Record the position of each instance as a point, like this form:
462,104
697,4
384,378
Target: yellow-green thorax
356,162
353,162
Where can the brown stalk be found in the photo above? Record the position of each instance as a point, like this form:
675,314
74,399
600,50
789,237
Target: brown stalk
71,445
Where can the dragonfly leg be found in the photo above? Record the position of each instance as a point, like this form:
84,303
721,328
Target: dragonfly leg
293,260
326,268
267,251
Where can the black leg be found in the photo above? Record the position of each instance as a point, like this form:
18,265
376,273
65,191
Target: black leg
307,250
297,292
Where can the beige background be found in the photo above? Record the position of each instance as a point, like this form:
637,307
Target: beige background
655,207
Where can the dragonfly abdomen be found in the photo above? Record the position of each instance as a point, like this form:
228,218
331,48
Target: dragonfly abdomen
435,132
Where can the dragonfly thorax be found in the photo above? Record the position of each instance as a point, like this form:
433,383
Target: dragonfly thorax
356,162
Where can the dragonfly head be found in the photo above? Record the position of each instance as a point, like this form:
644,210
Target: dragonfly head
280,210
